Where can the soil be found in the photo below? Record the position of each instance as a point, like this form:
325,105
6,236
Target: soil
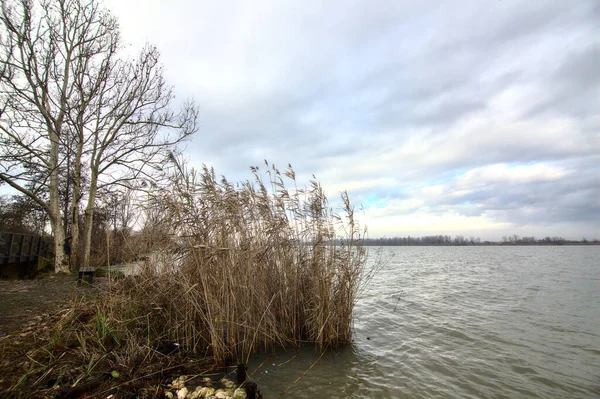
31,310
22,300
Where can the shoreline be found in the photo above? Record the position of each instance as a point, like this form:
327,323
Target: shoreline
486,245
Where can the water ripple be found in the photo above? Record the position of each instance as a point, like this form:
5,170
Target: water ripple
463,322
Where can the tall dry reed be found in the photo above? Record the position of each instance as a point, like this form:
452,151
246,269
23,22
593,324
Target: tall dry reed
246,266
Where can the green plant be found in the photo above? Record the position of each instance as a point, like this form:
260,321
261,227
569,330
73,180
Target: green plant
105,333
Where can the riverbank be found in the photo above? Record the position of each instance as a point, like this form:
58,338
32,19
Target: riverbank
53,344
22,301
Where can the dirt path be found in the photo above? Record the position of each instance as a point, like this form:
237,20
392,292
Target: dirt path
21,300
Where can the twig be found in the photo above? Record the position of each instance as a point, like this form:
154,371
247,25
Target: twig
260,365
287,361
139,378
300,377
399,297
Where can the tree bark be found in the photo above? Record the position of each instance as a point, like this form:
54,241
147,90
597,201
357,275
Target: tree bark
59,241
89,220
54,205
74,261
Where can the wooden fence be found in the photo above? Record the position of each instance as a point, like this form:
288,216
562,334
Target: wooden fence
20,253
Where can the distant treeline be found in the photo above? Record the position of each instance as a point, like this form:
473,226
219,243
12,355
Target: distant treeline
462,240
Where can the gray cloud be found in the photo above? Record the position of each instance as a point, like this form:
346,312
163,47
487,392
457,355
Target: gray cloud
394,98
574,87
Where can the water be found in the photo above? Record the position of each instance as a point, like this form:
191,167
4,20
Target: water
462,322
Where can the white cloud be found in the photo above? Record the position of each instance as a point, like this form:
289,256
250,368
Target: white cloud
454,116
519,174
423,223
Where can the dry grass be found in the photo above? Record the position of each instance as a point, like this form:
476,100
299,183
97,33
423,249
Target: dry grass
234,269
82,348
249,266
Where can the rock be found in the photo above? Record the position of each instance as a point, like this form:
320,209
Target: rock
227,383
202,392
179,382
199,392
182,393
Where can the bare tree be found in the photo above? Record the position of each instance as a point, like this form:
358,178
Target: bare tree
33,89
62,83
19,213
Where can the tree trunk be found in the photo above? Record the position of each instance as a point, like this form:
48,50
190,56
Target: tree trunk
59,240
89,220
74,261
67,197
54,205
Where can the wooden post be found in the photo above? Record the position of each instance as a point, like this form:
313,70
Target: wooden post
10,246
252,391
22,249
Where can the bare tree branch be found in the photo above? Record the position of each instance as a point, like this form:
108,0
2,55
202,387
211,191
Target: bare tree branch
72,111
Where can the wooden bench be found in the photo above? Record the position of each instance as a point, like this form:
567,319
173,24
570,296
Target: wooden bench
85,273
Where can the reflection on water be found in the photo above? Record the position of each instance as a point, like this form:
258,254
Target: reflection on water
464,322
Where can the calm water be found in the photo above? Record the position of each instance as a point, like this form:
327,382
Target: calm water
463,322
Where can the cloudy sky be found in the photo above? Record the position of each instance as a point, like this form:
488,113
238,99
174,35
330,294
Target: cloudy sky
439,117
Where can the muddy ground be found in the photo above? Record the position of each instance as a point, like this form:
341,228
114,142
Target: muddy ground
22,300
38,362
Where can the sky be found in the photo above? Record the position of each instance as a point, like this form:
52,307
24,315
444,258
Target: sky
476,118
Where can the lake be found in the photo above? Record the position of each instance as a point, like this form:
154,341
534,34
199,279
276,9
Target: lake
461,322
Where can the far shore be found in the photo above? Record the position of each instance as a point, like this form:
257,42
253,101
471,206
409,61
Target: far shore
485,244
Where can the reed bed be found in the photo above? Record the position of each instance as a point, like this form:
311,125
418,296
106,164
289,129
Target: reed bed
230,270
245,267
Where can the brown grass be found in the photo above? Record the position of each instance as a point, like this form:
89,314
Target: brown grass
233,269
249,266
